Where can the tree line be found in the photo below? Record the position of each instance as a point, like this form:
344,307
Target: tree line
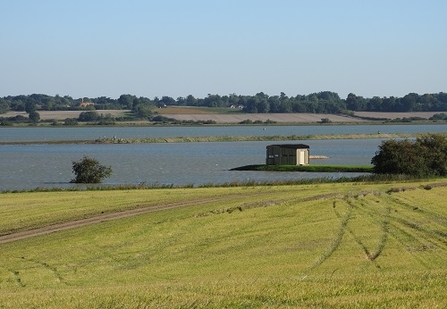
322,102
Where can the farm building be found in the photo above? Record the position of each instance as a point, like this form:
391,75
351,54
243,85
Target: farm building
287,154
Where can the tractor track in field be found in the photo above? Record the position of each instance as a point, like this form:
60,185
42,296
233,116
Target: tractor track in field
62,226
57,227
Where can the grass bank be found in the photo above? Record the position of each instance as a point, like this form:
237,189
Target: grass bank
180,139
307,168
335,245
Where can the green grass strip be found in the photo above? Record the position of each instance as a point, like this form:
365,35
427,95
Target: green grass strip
307,168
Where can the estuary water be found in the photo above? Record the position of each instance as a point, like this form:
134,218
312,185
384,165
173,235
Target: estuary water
43,165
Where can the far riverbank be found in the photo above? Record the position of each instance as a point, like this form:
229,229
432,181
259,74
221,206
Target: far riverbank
116,140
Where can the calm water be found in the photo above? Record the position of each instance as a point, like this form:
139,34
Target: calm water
31,166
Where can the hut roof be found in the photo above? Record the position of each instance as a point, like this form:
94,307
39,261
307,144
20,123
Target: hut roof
293,146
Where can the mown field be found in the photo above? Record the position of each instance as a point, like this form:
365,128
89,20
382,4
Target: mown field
344,245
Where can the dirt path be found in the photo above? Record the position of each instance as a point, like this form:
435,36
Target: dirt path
97,219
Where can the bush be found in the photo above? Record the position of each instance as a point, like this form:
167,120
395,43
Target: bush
34,116
88,170
325,120
440,116
426,156
70,122
89,116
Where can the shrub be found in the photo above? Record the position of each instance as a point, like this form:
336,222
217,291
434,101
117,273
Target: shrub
89,116
426,156
34,116
70,122
88,170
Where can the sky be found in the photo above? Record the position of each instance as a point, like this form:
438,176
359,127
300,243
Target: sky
93,48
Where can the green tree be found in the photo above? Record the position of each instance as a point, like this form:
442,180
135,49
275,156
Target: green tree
434,148
30,107
126,101
88,170
4,106
89,116
355,103
143,111
426,156
34,116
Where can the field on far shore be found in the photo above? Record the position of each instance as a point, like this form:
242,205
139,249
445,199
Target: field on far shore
234,117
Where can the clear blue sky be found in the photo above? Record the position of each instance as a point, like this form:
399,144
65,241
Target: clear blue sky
153,48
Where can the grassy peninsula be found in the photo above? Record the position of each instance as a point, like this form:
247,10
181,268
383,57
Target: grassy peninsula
307,168
322,245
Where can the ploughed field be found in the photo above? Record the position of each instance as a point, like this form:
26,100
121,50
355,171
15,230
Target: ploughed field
315,245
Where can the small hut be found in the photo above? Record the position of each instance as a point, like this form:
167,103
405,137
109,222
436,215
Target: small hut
287,154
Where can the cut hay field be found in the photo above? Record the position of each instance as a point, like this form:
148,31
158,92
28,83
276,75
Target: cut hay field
326,245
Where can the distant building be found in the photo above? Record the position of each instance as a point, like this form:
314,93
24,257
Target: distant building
85,104
287,154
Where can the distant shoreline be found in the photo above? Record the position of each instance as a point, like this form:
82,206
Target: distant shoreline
205,139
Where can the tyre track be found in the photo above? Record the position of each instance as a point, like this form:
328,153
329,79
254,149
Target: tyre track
102,218
34,232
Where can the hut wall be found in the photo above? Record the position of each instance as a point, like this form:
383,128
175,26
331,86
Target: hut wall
277,155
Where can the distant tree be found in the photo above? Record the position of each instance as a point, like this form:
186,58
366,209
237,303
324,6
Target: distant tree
355,103
409,101
30,107
89,116
166,100
143,110
190,100
34,116
88,170
126,101
374,104
4,106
